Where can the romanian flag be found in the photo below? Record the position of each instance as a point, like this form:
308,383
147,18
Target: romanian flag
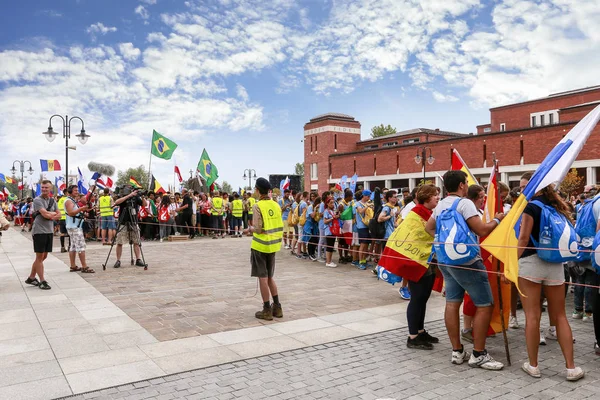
502,242
133,182
409,247
459,165
50,165
156,187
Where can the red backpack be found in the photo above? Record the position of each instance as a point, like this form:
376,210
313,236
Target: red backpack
163,214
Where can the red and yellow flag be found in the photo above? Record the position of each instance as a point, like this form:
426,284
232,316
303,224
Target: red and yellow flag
133,182
459,165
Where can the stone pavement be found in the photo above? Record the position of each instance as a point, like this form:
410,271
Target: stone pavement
377,366
204,286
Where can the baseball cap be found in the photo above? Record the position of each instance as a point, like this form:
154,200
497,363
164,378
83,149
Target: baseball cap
366,192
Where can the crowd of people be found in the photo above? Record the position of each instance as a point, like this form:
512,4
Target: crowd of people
356,225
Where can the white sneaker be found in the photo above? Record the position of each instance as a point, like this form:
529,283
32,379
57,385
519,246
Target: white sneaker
286,247
459,357
575,374
532,371
513,323
161,240
331,265
542,338
587,317
551,333
320,260
485,361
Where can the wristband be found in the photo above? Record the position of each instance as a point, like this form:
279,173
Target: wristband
497,221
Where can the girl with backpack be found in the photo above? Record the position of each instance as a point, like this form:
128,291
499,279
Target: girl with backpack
330,221
165,220
534,272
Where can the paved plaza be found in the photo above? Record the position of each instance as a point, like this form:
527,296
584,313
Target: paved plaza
134,334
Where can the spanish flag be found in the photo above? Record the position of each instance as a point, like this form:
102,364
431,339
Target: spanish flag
502,242
459,165
133,182
50,165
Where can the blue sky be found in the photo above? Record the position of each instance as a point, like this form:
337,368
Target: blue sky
241,78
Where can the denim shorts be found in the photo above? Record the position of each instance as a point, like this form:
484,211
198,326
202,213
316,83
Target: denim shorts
108,222
470,278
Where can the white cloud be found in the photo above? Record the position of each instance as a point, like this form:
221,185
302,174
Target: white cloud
241,92
100,28
443,98
149,2
129,52
143,13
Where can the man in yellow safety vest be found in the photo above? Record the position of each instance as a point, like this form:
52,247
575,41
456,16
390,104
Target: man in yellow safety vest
216,211
107,217
267,233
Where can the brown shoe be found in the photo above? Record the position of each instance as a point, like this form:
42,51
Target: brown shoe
277,311
265,313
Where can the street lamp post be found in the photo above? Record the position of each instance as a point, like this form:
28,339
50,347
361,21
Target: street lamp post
22,169
250,171
423,159
51,135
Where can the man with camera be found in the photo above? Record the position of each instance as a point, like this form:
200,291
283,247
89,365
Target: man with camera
129,202
74,224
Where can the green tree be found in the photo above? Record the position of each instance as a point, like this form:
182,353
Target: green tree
299,170
380,130
140,174
226,188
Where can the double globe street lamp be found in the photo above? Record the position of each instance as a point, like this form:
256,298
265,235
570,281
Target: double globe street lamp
51,135
423,159
250,171
22,169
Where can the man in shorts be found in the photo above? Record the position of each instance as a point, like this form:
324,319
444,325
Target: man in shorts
471,277
45,213
74,223
129,231
267,232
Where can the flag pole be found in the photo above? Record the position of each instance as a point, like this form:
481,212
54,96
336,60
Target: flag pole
498,269
150,164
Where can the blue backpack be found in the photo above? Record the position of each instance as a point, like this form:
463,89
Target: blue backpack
558,241
586,228
596,255
454,243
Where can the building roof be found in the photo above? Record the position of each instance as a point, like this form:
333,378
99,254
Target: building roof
435,132
591,103
552,95
332,115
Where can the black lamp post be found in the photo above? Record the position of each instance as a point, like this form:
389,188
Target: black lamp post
250,171
22,169
51,135
423,159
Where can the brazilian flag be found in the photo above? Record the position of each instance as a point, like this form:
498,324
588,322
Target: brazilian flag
207,169
162,147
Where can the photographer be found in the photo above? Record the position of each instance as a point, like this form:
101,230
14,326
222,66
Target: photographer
74,224
129,203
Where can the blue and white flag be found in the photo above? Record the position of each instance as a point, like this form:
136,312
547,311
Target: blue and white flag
60,185
353,181
38,190
502,242
80,182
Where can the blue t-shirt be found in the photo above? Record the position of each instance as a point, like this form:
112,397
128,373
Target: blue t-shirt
359,222
321,210
308,226
327,227
303,205
284,213
389,224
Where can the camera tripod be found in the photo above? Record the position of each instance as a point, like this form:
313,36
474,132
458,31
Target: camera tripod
131,225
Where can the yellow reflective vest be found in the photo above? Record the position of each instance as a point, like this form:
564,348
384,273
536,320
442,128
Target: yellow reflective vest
217,206
237,208
61,207
105,208
269,240
251,202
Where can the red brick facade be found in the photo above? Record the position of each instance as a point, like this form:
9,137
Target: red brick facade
392,162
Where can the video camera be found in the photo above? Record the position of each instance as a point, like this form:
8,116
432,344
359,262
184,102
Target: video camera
125,190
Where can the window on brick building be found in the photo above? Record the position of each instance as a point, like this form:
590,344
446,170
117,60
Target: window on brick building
487,130
354,166
316,141
551,119
533,119
542,120
335,142
521,149
409,141
374,165
502,127
311,144
330,170
314,175
484,153
397,162
372,146
389,144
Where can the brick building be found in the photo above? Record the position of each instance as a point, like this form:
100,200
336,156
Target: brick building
520,135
